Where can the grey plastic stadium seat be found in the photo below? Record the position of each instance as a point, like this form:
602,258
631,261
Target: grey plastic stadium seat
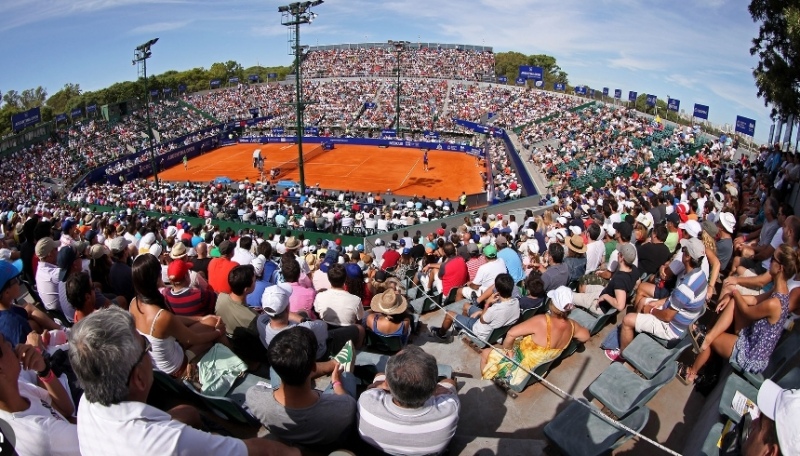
622,391
649,356
594,323
579,431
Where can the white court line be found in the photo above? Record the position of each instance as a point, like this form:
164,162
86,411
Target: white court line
357,166
287,146
409,173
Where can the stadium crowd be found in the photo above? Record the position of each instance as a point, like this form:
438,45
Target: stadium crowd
422,62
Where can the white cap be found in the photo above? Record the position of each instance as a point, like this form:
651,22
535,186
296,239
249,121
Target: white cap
276,299
728,221
783,407
692,228
561,298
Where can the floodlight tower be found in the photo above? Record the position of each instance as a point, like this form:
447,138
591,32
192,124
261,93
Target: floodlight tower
140,56
399,47
292,15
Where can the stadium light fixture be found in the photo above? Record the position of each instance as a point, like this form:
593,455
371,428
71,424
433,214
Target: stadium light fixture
292,15
140,56
399,47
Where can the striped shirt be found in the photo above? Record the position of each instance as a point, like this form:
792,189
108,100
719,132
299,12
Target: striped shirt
688,298
400,431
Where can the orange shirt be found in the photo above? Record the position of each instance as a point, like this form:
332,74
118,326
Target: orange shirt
218,270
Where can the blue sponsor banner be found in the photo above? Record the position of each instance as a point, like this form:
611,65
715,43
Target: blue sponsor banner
478,128
166,90
233,80
559,86
254,111
154,93
673,104
253,78
388,133
370,105
277,130
77,112
618,93
273,75
520,81
26,119
431,134
182,88
580,90
605,91
745,126
313,131
61,117
91,108
700,111
502,79
632,95
531,72
651,100
215,83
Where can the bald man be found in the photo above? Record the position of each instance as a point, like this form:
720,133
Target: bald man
201,262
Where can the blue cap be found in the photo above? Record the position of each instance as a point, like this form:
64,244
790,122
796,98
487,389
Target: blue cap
402,242
7,272
406,251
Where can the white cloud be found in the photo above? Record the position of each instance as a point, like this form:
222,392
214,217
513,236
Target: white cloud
159,27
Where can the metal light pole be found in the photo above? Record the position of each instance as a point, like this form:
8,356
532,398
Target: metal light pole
399,46
140,56
292,15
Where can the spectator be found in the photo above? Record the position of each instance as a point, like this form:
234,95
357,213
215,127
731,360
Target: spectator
480,288
220,268
405,411
239,319
597,298
555,274
510,258
295,412
183,298
120,274
112,362
576,257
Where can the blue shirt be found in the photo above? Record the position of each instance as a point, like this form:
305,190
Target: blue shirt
14,325
513,263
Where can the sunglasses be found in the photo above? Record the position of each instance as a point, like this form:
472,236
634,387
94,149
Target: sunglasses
147,349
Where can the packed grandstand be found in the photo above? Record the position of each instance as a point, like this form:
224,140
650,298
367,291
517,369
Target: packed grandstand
620,193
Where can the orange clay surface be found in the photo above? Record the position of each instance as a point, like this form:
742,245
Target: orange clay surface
346,167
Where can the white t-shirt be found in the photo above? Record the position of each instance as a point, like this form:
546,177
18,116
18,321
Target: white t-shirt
487,272
498,315
135,428
40,430
594,255
339,307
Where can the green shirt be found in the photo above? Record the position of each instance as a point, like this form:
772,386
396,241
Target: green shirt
672,241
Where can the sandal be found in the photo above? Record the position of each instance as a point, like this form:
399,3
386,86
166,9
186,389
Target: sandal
683,374
698,334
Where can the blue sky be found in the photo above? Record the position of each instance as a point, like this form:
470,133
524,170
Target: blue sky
692,50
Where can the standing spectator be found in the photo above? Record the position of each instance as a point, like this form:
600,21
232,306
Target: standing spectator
406,411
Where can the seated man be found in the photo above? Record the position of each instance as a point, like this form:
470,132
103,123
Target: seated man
405,411
502,309
112,362
670,318
481,285
596,298
293,410
16,321
37,414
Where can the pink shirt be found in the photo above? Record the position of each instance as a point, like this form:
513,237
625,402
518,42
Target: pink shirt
302,299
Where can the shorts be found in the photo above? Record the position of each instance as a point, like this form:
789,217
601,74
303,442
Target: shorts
753,265
749,291
588,299
646,323
592,279
464,321
661,292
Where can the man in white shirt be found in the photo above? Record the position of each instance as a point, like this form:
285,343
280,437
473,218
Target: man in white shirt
338,307
596,248
242,254
47,273
112,362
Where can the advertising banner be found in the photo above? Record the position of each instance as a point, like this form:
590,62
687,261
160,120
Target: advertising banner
745,126
26,119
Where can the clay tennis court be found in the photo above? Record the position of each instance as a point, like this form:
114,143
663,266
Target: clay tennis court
347,167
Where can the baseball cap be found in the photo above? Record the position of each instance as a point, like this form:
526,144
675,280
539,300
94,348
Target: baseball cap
67,225
781,406
275,299
694,247
406,251
118,244
624,229
692,228
440,231
674,218
490,251
710,228
66,256
472,248
728,221
561,298
177,270
97,251
45,246
501,241
7,272
627,252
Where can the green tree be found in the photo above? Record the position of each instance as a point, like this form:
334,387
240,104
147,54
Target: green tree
777,46
507,64
65,98
31,98
12,99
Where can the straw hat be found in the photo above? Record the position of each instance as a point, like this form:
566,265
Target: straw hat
575,243
389,303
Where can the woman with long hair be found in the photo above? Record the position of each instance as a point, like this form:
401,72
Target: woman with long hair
176,340
355,285
757,322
